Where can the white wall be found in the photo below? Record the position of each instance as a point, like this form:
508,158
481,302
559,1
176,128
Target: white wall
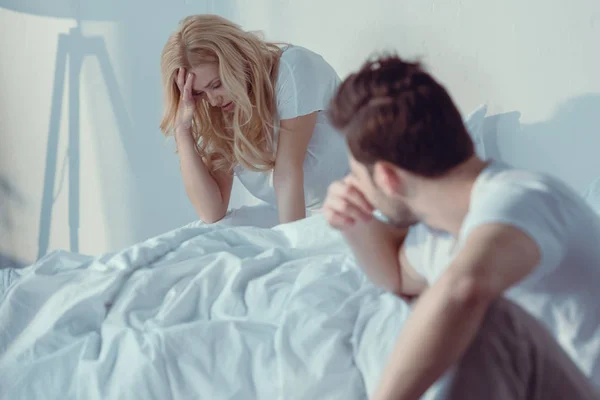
533,62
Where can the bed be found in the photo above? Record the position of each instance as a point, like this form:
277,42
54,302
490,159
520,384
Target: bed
235,310
215,312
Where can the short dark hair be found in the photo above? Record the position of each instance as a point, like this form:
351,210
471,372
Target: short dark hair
394,111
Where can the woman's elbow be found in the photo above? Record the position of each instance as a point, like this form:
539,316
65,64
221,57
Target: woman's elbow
210,221
211,217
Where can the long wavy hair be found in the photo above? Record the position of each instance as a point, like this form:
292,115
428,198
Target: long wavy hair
248,70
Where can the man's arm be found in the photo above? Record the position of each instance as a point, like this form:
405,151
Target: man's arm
376,247
447,316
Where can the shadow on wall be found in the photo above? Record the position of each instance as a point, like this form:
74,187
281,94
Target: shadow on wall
8,197
565,146
495,125
71,51
8,194
155,200
7,262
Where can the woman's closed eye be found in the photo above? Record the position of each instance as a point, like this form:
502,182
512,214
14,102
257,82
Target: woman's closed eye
215,86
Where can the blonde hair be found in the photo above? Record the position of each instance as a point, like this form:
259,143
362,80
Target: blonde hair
248,69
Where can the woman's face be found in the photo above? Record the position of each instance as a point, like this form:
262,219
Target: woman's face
207,85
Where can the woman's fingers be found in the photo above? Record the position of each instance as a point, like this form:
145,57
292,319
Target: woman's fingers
187,89
180,79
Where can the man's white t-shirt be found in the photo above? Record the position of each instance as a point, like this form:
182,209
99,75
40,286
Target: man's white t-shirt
305,84
563,291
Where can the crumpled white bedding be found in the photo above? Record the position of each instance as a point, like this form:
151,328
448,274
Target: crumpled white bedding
210,312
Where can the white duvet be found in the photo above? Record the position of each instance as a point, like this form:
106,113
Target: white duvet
199,313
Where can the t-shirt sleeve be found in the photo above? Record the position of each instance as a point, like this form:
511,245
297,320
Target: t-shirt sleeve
415,246
428,251
305,84
529,207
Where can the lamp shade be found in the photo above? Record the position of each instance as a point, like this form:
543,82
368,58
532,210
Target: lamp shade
88,10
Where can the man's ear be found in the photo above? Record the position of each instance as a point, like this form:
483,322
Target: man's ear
391,180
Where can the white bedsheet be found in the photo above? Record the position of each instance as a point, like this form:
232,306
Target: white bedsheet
201,312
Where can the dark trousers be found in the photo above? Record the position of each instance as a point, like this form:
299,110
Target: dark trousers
514,357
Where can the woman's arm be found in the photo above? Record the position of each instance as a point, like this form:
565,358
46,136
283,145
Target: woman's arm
288,177
208,193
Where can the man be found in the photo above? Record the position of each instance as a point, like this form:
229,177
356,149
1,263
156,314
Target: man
485,230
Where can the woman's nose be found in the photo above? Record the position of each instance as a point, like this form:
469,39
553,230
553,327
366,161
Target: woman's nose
213,99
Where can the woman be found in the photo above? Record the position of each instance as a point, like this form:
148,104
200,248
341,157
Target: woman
238,105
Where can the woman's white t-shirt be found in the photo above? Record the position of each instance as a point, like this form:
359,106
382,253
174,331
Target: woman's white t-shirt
305,84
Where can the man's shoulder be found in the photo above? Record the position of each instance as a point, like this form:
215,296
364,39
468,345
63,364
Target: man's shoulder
538,204
500,182
499,172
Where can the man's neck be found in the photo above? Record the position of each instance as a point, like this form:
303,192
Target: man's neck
443,203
